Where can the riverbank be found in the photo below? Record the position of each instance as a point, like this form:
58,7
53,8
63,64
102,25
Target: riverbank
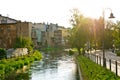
79,70
8,66
92,71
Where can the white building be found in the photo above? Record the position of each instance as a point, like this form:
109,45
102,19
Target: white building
4,19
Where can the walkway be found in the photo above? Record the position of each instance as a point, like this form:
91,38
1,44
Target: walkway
112,60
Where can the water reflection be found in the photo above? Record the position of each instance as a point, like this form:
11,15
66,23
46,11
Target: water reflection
54,66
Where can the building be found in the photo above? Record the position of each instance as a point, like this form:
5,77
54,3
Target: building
37,30
24,29
34,37
61,37
42,35
8,35
4,19
10,31
46,33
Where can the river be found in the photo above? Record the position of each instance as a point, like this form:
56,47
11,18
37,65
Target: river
53,66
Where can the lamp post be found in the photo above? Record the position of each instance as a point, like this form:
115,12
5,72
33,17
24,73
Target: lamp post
111,16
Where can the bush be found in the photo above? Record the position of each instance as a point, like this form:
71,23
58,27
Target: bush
3,54
26,61
4,61
8,65
2,67
71,52
8,69
2,75
118,53
92,71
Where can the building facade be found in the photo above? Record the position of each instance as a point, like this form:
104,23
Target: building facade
10,31
4,20
42,35
8,35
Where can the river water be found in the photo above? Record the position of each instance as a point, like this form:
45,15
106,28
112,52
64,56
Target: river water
54,66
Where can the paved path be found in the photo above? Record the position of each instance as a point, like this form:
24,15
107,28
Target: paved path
108,55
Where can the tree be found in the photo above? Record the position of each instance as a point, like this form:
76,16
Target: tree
116,35
108,38
24,42
80,32
104,33
98,32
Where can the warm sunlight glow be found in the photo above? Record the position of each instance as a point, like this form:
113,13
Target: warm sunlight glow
55,11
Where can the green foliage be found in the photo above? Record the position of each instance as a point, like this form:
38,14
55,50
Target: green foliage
9,65
24,42
118,53
116,35
2,53
2,67
71,52
92,71
108,38
80,32
2,74
22,76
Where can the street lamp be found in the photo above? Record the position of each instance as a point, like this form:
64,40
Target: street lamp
111,16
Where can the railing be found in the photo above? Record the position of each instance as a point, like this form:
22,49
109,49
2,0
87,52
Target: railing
111,64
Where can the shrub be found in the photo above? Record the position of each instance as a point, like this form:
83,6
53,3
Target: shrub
71,52
8,65
8,69
2,67
2,53
26,61
4,61
2,75
92,71
118,53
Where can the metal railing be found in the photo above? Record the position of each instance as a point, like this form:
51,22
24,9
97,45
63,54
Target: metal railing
111,64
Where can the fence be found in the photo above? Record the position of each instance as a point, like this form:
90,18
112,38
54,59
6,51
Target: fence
112,65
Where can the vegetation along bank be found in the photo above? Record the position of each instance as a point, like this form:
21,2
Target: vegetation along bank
9,65
91,71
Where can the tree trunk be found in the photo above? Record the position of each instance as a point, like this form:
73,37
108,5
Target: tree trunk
79,51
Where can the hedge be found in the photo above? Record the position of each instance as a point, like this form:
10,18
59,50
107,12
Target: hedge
92,71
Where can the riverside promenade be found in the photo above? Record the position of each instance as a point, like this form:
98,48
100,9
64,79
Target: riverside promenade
112,60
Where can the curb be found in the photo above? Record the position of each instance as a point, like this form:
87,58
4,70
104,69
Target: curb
79,71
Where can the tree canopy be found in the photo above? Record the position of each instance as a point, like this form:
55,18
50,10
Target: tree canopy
95,33
80,32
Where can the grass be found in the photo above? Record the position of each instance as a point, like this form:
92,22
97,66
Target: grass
91,71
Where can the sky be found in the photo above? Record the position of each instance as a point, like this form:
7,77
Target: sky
57,11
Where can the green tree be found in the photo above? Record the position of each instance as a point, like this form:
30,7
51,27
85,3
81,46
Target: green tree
116,34
104,33
108,39
98,32
24,42
80,32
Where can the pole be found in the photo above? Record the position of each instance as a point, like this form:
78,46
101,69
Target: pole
103,45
